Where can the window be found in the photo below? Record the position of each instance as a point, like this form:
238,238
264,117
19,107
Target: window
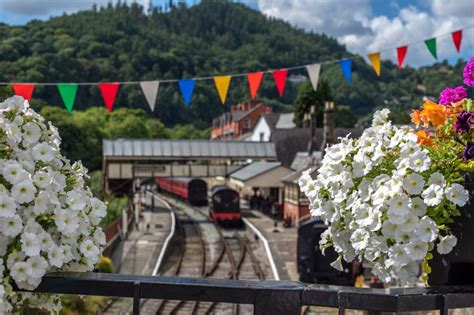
246,123
262,135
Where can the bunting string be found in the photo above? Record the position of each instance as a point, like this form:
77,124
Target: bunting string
150,88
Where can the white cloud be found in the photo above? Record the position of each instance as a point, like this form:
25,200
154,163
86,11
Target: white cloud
353,24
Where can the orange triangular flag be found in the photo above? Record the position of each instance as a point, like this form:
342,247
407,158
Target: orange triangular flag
255,79
222,85
375,60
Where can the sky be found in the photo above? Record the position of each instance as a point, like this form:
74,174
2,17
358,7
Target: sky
364,26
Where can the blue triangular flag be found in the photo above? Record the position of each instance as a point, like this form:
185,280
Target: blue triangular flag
187,88
346,66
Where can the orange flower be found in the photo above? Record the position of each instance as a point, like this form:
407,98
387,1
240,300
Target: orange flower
434,112
415,117
424,138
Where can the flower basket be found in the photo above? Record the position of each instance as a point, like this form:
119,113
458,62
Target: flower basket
396,199
457,267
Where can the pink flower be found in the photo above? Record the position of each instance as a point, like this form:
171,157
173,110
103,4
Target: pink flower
449,95
468,72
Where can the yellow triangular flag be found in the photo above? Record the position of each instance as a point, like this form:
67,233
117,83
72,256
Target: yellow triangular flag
222,86
375,60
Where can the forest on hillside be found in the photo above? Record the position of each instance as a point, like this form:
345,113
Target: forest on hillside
122,43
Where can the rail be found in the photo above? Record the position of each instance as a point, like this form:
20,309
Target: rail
268,297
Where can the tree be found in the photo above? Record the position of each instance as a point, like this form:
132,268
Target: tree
308,97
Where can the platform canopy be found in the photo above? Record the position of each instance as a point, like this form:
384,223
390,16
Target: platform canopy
165,149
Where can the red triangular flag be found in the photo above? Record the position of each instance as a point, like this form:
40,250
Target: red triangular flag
254,82
457,38
109,91
280,79
401,52
24,89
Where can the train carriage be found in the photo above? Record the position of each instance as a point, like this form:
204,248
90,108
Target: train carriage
224,205
192,189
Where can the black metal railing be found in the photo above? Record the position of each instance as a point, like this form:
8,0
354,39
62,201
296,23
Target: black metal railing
268,297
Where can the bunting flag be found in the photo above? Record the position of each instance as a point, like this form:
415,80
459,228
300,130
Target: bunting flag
280,79
109,91
222,85
187,87
401,54
254,79
457,39
346,67
375,60
150,90
68,94
24,89
313,73
431,44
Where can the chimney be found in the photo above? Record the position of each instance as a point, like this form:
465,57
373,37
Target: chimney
311,120
329,125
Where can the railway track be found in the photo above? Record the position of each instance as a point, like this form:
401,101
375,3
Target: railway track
224,255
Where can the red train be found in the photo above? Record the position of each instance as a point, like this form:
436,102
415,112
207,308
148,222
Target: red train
192,189
224,205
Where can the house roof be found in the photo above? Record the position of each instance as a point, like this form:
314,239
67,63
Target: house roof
285,121
186,149
253,170
303,161
271,119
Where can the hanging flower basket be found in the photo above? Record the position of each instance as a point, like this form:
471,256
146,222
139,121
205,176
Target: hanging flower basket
394,198
48,217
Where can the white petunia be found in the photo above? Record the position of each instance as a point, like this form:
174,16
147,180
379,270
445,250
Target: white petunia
337,264
397,255
42,179
432,195
360,239
15,257
56,256
99,237
380,117
446,244
437,179
30,244
399,205
417,249
38,266
44,152
75,199
426,230
20,271
89,250
31,133
14,172
418,206
457,194
8,206
23,192
419,162
413,183
66,221
11,226
45,240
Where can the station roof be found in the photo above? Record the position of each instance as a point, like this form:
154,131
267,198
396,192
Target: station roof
253,170
186,149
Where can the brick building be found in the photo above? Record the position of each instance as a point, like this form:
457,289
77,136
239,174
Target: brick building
240,121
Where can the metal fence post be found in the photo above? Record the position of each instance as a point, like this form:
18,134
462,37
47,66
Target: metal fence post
136,298
275,302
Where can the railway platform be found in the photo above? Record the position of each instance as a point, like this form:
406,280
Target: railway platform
282,242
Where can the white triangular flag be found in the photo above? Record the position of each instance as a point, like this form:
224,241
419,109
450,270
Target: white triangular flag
313,72
150,89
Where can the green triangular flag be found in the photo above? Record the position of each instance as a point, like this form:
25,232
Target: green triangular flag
68,94
431,44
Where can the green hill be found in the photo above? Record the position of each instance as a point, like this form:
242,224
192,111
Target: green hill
121,43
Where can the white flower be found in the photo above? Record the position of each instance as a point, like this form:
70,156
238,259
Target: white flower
23,192
4,242
426,230
14,172
75,199
446,244
397,255
438,179
66,221
457,194
30,244
417,249
7,206
38,266
56,256
432,195
20,271
337,264
389,229
399,205
419,162
45,240
99,237
15,257
31,133
44,152
42,179
380,117
360,239
89,250
11,226
413,183
418,206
